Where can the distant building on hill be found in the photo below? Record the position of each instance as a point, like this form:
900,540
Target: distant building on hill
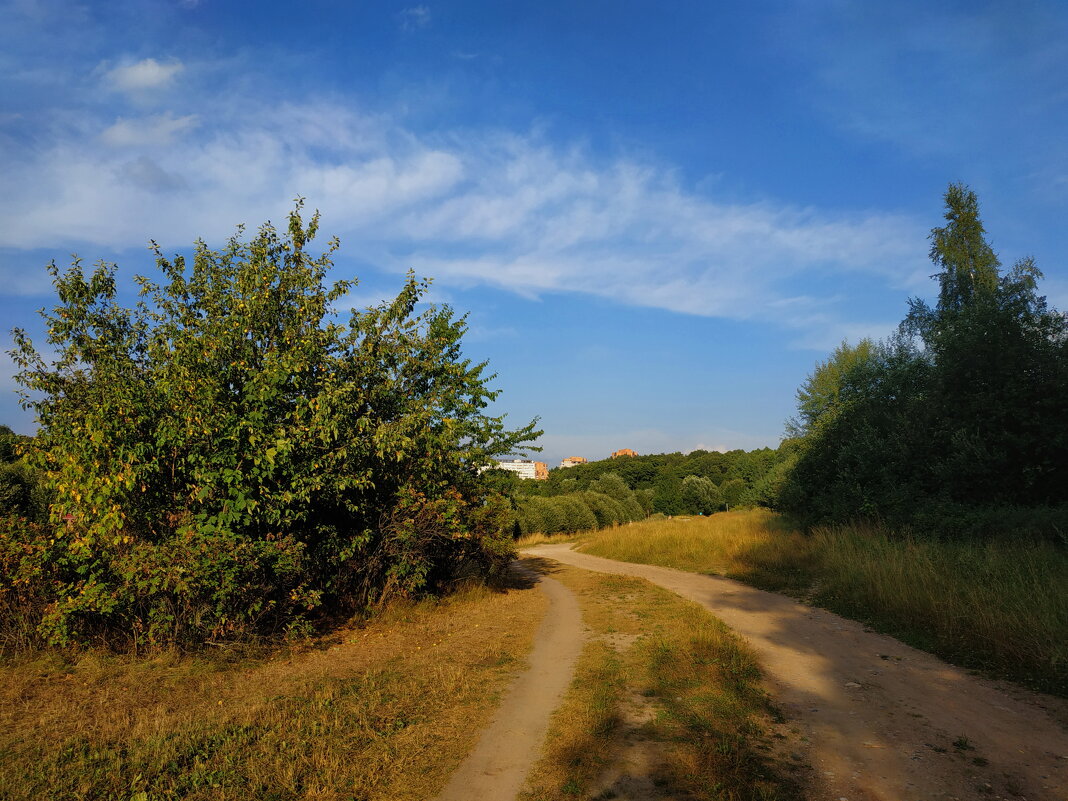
571,461
525,468
624,452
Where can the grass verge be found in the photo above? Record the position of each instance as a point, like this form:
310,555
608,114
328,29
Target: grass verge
666,703
381,712
999,607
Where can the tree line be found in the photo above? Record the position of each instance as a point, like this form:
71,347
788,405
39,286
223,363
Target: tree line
957,425
613,491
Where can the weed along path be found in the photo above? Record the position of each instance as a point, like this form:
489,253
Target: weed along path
881,721
512,742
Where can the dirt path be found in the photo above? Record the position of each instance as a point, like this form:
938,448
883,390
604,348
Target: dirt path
881,720
512,742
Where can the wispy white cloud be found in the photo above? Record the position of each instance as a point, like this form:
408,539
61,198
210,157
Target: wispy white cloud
159,129
505,210
143,75
415,17
542,221
145,174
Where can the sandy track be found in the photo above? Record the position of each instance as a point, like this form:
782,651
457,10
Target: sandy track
880,718
512,742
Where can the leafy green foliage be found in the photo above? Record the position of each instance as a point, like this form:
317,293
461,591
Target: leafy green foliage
612,485
734,491
700,496
581,511
229,455
820,396
655,481
9,445
21,491
957,419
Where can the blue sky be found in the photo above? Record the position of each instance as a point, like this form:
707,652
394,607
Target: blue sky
658,216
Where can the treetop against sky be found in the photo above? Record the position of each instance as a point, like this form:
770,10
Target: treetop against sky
659,218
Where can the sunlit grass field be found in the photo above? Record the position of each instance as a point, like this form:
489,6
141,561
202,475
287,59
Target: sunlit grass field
385,711
1001,606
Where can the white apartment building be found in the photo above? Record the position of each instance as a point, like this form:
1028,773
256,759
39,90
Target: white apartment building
526,468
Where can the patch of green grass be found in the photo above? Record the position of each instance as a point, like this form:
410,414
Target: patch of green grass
998,606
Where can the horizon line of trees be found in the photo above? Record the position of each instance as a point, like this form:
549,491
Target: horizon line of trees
697,483
606,502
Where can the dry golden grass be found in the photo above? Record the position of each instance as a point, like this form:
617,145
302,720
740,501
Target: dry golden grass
666,703
1000,606
385,711
538,538
720,543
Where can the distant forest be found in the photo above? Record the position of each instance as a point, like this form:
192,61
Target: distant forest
699,482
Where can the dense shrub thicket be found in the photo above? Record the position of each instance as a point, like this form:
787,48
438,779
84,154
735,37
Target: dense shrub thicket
230,456
958,425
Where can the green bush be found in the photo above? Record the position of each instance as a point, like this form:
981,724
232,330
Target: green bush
645,499
607,511
577,514
554,515
579,511
230,456
29,577
16,489
700,496
612,485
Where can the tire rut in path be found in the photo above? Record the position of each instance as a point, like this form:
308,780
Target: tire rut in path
512,742
883,721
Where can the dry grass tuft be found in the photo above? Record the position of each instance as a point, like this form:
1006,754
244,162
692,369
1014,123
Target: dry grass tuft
999,606
385,711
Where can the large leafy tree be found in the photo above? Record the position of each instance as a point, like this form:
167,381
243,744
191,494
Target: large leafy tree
871,457
231,455
960,416
999,369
